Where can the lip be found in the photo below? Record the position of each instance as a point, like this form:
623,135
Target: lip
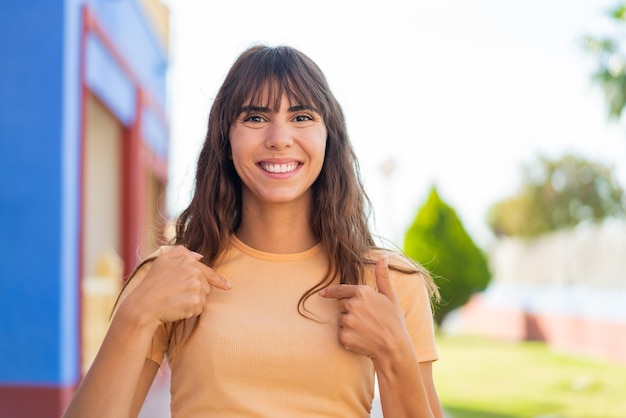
278,161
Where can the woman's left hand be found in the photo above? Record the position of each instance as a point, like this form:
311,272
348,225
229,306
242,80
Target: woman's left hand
371,322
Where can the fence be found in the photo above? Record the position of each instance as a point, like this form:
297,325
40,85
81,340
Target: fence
566,288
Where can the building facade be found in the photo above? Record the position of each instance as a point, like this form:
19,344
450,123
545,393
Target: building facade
83,169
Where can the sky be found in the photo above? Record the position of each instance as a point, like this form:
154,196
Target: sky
458,94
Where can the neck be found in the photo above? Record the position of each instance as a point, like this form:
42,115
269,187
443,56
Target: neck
277,228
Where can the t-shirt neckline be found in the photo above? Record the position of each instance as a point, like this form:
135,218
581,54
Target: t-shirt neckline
262,255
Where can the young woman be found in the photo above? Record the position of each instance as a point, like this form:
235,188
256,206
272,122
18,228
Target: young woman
273,300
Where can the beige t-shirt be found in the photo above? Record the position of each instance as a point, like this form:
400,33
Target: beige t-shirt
254,355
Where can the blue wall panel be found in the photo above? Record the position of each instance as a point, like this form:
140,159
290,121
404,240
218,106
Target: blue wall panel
109,82
129,29
31,80
154,133
40,168
69,363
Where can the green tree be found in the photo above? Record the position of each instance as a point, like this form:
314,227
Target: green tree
610,73
437,240
557,194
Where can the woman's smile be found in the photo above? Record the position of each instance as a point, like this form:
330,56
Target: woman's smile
279,168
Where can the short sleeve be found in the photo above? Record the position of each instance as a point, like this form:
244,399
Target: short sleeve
416,306
160,342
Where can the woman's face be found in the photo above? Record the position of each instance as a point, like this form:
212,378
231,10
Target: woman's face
278,154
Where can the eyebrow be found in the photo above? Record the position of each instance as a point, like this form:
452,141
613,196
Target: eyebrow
263,109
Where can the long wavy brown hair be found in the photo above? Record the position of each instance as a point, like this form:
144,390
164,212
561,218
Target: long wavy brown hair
260,76
340,218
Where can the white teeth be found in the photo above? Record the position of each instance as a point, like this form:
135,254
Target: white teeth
279,168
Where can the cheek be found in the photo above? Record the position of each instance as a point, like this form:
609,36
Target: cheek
322,143
236,146
236,157
321,151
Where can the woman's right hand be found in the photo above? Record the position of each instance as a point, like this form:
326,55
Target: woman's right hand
175,287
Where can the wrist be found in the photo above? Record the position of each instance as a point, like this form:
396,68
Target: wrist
395,357
136,319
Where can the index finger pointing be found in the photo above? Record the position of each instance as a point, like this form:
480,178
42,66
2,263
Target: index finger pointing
215,279
341,291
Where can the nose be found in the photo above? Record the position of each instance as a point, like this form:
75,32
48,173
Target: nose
279,135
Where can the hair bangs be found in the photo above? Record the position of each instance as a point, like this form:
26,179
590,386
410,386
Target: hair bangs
269,74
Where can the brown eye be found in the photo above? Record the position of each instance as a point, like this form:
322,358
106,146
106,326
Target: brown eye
254,119
303,118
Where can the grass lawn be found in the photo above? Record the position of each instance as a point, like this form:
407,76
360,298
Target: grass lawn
483,378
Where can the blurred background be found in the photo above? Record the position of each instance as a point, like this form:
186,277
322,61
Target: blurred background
490,140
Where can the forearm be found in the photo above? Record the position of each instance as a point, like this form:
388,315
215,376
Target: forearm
401,386
109,387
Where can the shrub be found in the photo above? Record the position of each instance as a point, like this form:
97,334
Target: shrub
438,241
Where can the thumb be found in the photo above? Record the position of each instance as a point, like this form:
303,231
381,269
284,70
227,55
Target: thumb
382,278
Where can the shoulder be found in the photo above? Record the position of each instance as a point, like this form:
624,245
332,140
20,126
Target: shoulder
408,277
141,270
398,261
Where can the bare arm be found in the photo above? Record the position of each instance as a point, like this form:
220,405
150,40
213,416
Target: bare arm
175,286
148,373
407,389
112,381
426,370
